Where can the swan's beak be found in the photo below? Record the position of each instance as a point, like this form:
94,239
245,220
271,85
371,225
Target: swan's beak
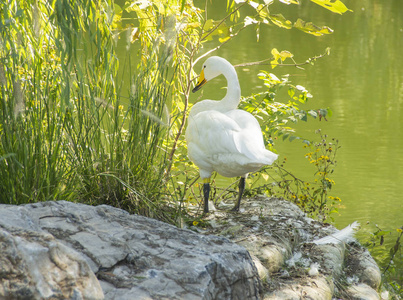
202,81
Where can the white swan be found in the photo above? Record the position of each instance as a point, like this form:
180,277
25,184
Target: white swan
221,137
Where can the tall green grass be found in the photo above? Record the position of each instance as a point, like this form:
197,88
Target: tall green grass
65,131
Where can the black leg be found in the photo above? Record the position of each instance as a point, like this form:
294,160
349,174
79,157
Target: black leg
206,194
241,189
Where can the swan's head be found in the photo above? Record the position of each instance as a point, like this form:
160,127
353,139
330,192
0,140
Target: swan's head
212,67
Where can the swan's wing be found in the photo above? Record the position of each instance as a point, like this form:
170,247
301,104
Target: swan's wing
250,139
213,132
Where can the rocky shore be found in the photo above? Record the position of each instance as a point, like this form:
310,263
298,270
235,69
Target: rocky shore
64,250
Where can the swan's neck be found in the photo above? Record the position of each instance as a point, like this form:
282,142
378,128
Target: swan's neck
233,96
231,99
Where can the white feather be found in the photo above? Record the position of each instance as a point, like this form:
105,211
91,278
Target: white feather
341,236
314,269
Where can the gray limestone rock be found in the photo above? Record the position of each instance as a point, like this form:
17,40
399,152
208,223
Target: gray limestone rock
64,250
34,265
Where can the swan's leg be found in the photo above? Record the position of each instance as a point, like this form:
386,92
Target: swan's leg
206,194
241,189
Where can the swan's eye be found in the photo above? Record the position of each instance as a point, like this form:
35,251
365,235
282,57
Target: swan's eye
204,66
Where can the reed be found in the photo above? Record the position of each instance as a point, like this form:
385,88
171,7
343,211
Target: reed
66,133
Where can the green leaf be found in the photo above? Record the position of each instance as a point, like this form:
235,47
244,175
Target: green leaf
183,5
255,5
275,53
334,6
248,21
272,79
311,28
290,1
224,39
293,137
7,156
293,119
313,113
134,34
263,11
208,25
222,31
291,92
381,233
280,21
323,112
285,54
279,55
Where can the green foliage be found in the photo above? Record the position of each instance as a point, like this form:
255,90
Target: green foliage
65,133
33,162
312,196
277,117
386,247
335,6
264,15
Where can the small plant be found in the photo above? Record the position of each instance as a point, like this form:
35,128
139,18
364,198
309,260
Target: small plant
311,195
386,248
323,157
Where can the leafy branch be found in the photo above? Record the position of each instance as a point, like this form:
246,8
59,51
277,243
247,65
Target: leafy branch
274,62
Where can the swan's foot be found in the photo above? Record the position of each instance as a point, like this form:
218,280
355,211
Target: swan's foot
235,208
241,189
206,194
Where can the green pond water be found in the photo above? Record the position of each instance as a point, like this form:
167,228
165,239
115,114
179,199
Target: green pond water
361,81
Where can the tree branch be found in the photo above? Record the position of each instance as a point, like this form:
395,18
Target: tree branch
263,62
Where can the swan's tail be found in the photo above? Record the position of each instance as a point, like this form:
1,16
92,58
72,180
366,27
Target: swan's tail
270,157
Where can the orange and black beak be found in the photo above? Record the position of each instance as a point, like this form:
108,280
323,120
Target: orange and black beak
202,81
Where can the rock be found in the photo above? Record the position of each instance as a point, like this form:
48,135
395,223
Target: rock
281,240
34,265
63,250
361,264
361,291
308,288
